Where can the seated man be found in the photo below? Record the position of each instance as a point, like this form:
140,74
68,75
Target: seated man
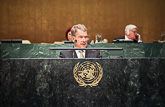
80,39
130,34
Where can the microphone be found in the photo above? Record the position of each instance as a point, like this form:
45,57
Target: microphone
75,41
73,54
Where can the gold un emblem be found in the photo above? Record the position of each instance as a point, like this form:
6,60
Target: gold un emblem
88,73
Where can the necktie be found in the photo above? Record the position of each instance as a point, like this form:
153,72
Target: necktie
81,54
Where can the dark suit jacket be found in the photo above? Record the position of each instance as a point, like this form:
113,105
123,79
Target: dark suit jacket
72,54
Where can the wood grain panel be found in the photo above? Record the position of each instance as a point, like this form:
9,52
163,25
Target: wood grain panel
47,20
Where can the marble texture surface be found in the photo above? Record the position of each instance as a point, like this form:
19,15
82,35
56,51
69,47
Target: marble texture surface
50,83
42,50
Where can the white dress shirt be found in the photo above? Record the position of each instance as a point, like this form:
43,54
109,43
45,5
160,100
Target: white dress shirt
126,38
78,53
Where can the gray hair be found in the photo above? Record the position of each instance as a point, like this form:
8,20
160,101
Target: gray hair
129,27
76,27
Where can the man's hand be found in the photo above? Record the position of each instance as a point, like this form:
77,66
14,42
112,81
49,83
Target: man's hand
138,37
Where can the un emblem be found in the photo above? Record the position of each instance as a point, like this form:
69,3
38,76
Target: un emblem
88,73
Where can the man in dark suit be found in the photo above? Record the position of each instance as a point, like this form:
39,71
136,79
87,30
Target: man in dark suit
80,39
72,54
130,34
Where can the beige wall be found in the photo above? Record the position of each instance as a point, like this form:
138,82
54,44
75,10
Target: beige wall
47,20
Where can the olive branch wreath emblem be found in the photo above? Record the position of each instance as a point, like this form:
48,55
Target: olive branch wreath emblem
88,73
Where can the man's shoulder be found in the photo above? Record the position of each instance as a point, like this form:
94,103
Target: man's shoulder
93,54
66,54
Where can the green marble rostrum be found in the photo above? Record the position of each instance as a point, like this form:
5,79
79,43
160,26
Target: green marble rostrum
15,50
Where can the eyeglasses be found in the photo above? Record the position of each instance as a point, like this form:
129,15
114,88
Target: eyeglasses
134,31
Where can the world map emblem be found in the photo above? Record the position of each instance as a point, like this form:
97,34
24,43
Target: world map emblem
88,73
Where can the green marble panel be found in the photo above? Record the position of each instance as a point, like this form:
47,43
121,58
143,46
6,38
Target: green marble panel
13,50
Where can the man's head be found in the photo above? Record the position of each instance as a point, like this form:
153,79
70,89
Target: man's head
131,31
80,35
68,34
